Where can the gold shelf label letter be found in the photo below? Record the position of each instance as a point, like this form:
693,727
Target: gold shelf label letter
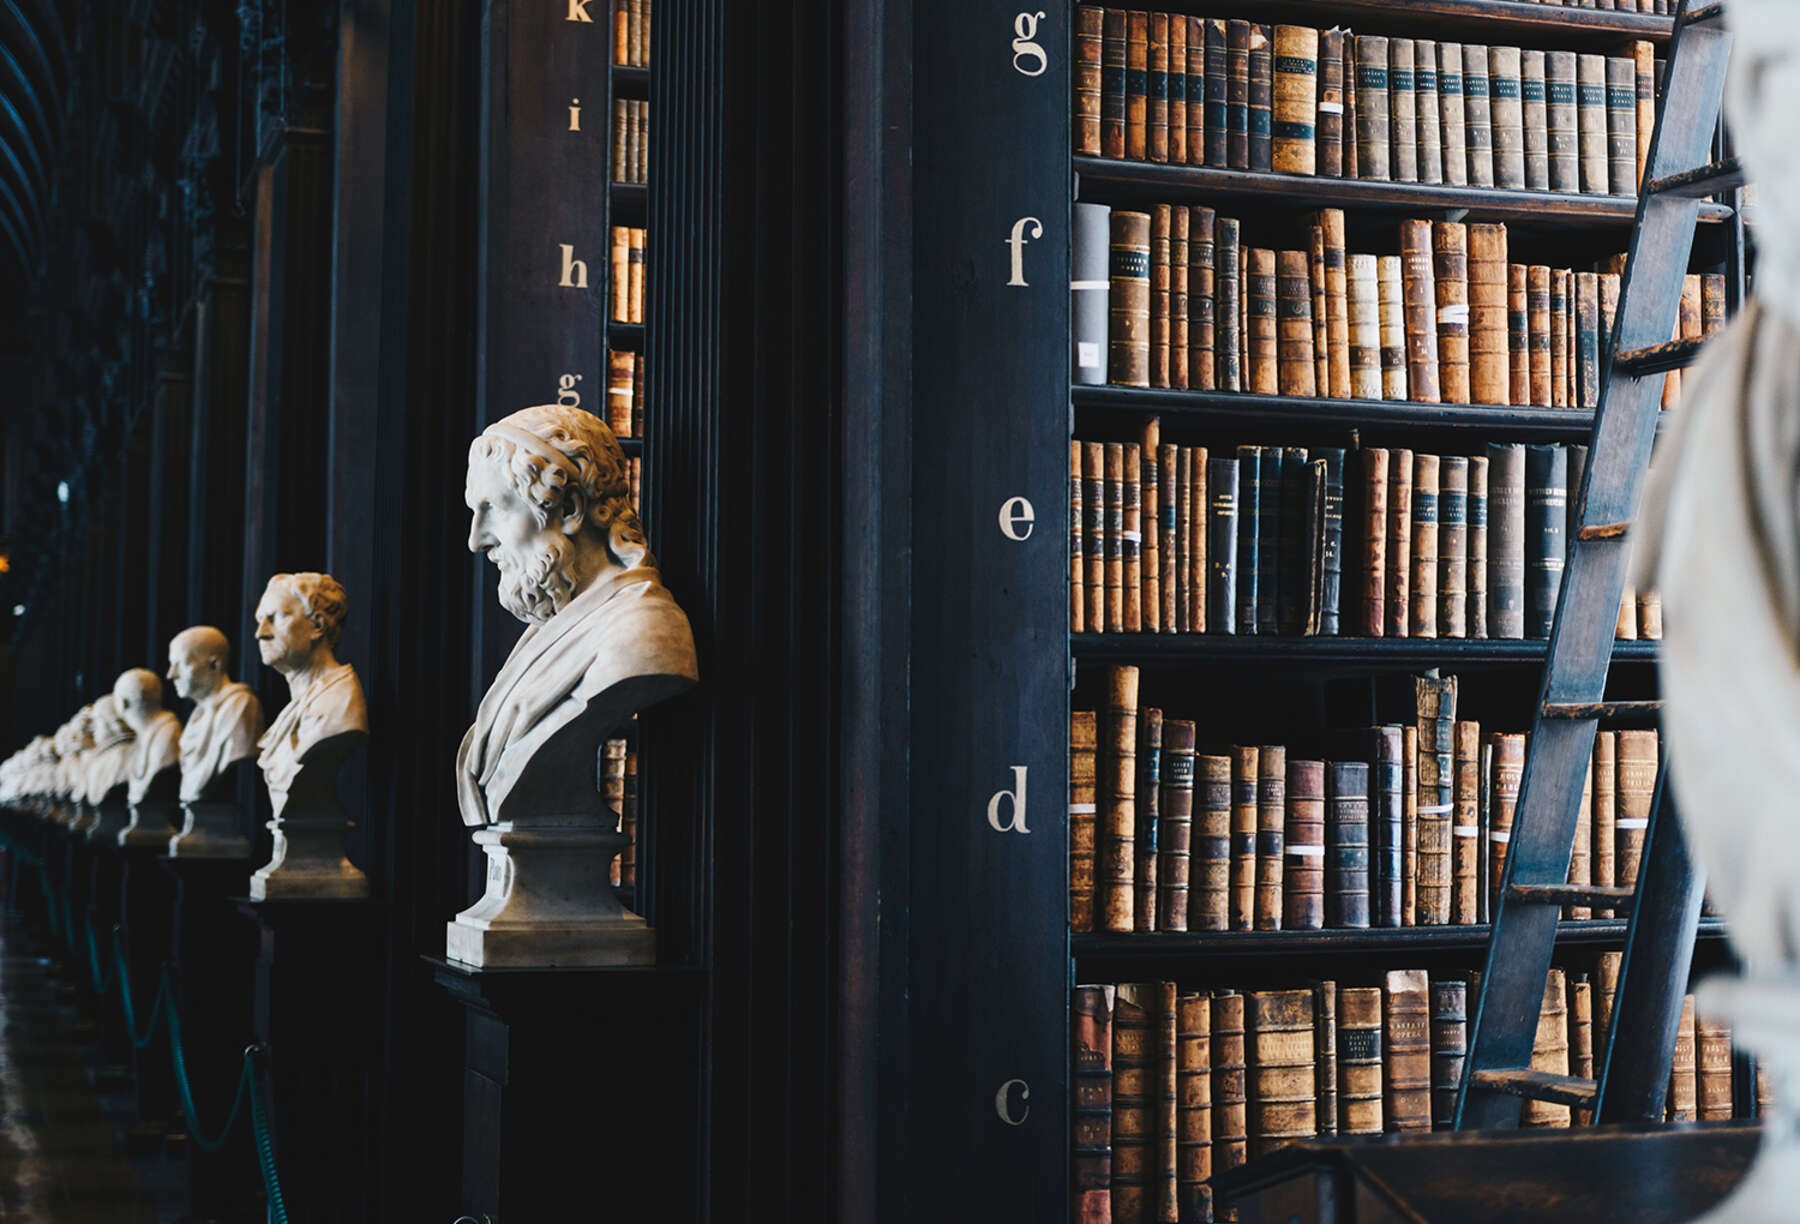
1017,242
1015,819
1025,49
1003,1105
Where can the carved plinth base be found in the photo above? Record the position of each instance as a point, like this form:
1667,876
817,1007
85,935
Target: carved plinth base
110,819
81,817
548,903
308,864
149,827
209,830
1761,1014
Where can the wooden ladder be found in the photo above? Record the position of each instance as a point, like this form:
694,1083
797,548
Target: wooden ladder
1664,907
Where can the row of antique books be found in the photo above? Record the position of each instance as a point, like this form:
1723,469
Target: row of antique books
1402,824
1170,1088
627,287
1240,95
618,787
630,141
625,393
1175,297
631,32
1265,540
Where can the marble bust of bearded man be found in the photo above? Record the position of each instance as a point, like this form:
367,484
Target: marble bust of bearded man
550,502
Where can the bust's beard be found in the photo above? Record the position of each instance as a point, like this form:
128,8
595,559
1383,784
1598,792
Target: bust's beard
535,585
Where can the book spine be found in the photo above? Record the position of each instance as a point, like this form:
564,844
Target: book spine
1347,845
1465,831
1237,93
1534,99
1077,556
1194,1106
1360,1061
1407,1068
621,371
1175,839
1453,546
1083,746
1321,330
1271,818
1291,351
1581,861
1712,304
1372,123
1387,810
1128,298
1400,544
1365,352
1577,463
1149,819
1175,88
1283,1094
1179,264
1506,540
1409,828
1507,116
1118,789
1175,472
1581,1038
1509,772
1156,90
1314,477
1217,91
1375,462
1337,304
1546,516
1325,1068
1392,334
1712,1042
1606,987
1250,527
1227,358
1093,501
1196,91
1228,1081
1150,526
1454,137
1090,291
1293,128
1160,217
1243,837
1164,1178
1450,278
1683,1086
1449,1049
1262,344
1436,702
1092,1114
1419,295
1198,494
1221,545
1537,298
1643,57
1115,536
1201,295
1562,118
1621,124
1550,1052
1588,341
1209,903
1268,539
1490,370
1296,595
1425,546
1590,107
1137,85
1518,333
1131,541
1352,169
1476,598
1303,847
1262,97
1636,788
1329,124
1403,112
1430,123
1561,302
1606,813
1089,49
1478,127
1133,1093
1332,548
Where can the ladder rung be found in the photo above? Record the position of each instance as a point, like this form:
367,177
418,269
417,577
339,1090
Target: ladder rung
1597,895
1710,179
1703,14
1577,710
1602,531
1539,1086
1658,358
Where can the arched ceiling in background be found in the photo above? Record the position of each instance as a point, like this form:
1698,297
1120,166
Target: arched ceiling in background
34,79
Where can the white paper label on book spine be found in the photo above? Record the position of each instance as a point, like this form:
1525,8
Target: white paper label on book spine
1306,851
1636,823
1099,285
1331,108
1458,313
1437,809
1087,355
1083,809
1500,835
1468,831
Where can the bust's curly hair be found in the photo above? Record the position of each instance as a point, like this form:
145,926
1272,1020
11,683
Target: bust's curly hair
322,598
595,468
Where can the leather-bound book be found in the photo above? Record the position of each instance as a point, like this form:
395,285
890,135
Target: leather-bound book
1509,770
1626,629
1077,556
1403,112
1590,107
1296,100
1090,296
1424,546
1090,1032
1450,114
1083,745
1283,1094
1329,123
1490,376
1325,1068
1195,84
1588,341
1262,343
1149,819
1465,830
1581,853
1271,819
1518,333
1475,597
1201,294
1160,215
1687,326
1429,118
1359,1061
1227,288
1765,1093
1175,89
1621,124
1372,122
637,257
1252,503
1089,44
1296,371
1208,903
1650,616
1373,570
625,117
1156,90
1550,1051
1561,116
1115,536
620,368
1328,464
1161,1191
620,280
1296,592
1237,93
1175,472
1131,541
1449,1047
1409,826
1175,837
1228,1080
1133,1095
1450,278
1484,904
1217,90
1581,1037
1243,837
1128,358
1507,116
1534,107
1712,304
1537,298
1268,539
1562,292
1546,516
1387,818
1636,788
1193,1106
1303,846
1506,540
1400,543
1178,297
1712,1046
1606,990
1606,812
1262,97
1577,462
1347,845
1137,85
1420,297
1393,334
1407,1068
1150,521
1093,501
1364,348
1643,56
1478,129
1321,327
1118,801
1337,304
1436,703
1190,575
1221,545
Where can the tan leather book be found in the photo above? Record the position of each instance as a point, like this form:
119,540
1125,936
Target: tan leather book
1561,281
1465,860
1315,265
1636,789
1590,105
1115,536
1149,819
1581,854
1160,221
1606,781
1244,312
1337,304
1283,1094
1156,92
1419,295
1168,528
1518,333
1093,501
1424,546
1180,220
1133,1094
1296,371
1243,837
1089,19
1449,1048
1150,528
1509,770
1185,530
1626,630
1765,1093
1262,336
1137,76
1201,297
1477,511
1643,56
1712,1044
1430,111
1561,119
1436,704
1179,63
1229,1102
1621,124
1364,338
1209,902
1550,1051
1478,116
1271,820
1197,555
620,280
1507,111
1077,586
1537,300
1450,278
1128,347
1325,1068
1090,1025
1650,615
1399,548
1606,990
1131,540
636,256
1403,112
1118,801
1161,1192
1375,461
1406,1072
1371,117
1303,847
1112,83
1296,100
1712,303
1392,334
1585,342
1581,1038
1452,120
1536,114
1409,826
1684,1088
1175,833
621,368
1330,114
1359,1060
1194,1099
1083,746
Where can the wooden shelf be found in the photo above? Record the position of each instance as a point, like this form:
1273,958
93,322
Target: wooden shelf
626,336
1238,408
1111,180
635,82
632,199
632,446
1561,26
1356,652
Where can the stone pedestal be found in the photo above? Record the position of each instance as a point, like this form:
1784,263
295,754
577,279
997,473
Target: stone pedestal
111,816
308,863
148,829
548,902
145,896
210,829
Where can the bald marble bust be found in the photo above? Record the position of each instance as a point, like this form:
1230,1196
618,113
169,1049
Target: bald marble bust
227,720
106,777
156,746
